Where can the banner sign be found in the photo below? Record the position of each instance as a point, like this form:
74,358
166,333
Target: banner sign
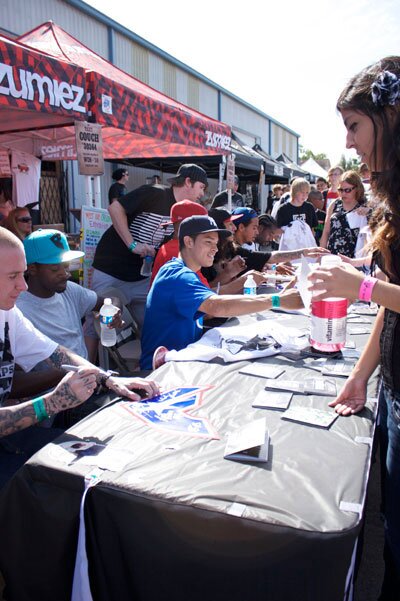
57,151
89,148
126,104
31,80
230,172
94,222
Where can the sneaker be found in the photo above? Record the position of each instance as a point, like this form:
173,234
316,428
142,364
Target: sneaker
159,356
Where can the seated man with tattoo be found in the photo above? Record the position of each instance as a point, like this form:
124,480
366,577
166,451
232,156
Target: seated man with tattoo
21,343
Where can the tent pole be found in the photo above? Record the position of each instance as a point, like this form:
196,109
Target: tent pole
221,172
97,192
88,191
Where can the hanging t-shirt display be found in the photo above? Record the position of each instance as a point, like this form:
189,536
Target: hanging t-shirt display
26,178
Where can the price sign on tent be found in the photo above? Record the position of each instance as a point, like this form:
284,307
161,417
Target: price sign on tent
89,148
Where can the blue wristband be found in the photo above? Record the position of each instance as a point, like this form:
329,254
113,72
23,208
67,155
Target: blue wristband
276,301
132,246
40,409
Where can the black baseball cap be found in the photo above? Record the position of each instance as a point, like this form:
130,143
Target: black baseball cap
200,224
192,171
220,216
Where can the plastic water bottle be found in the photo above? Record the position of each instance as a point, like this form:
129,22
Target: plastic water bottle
147,266
108,335
328,318
272,281
250,287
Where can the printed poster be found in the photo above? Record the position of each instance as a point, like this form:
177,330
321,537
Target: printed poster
94,222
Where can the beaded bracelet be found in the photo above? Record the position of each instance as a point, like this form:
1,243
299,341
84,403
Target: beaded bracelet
132,246
40,409
276,301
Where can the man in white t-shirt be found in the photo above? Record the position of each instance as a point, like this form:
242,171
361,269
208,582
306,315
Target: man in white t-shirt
21,343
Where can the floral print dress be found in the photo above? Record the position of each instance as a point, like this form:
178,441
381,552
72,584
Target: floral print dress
342,239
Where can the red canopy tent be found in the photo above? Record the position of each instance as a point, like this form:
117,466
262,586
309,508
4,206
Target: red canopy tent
38,91
138,120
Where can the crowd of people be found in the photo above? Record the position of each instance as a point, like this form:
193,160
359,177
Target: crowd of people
201,260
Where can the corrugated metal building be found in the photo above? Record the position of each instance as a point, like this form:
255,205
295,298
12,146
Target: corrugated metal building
154,67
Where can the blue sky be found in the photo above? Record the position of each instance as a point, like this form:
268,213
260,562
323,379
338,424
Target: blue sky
289,58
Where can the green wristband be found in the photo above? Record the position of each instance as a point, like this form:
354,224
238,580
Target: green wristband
276,301
40,409
132,246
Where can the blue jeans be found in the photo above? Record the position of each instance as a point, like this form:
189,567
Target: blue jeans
389,408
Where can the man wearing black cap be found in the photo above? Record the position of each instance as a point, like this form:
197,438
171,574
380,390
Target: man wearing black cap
136,233
221,199
118,188
178,300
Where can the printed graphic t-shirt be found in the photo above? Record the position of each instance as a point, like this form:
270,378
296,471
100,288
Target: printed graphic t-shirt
22,343
288,213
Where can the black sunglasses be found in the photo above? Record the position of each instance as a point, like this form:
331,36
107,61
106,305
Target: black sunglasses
24,219
347,190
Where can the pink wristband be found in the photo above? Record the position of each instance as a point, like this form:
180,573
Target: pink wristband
366,288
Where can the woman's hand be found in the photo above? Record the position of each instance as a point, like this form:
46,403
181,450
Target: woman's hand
352,397
341,281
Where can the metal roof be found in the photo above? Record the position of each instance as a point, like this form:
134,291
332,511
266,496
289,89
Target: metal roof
99,16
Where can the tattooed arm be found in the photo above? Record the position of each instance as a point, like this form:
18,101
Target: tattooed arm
279,256
63,355
45,375
121,386
74,389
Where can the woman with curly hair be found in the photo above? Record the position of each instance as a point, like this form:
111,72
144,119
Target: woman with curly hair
19,222
370,108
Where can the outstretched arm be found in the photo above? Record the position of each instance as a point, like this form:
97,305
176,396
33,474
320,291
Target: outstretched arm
353,395
121,386
279,256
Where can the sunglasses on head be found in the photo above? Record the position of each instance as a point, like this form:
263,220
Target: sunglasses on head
24,219
347,190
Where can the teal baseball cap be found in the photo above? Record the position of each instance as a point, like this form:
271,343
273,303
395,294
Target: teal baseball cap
49,247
